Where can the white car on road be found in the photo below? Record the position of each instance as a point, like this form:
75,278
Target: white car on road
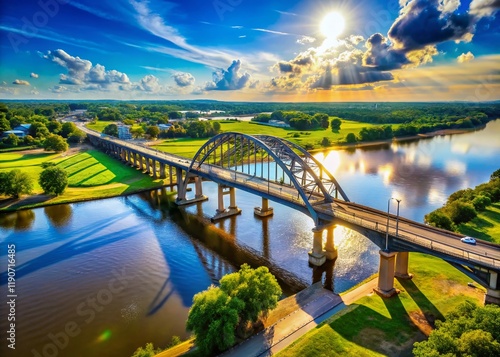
468,240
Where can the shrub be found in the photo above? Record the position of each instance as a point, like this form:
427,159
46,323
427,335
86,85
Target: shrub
461,212
481,202
439,219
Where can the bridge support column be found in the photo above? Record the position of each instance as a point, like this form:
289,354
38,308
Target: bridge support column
232,210
385,285
317,256
140,163
155,176
198,197
181,193
493,292
162,171
331,252
402,266
171,176
147,166
265,210
134,155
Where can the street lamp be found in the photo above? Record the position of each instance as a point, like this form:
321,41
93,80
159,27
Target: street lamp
397,221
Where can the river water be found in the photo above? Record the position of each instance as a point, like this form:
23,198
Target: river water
102,278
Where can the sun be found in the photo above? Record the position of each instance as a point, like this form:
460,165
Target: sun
332,25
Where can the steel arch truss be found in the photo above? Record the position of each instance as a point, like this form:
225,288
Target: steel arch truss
240,153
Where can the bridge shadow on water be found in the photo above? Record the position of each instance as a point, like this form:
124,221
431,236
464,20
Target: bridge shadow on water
91,238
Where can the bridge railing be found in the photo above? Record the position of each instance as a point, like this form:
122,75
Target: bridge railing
422,241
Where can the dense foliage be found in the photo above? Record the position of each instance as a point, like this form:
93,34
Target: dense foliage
53,180
242,297
15,183
467,331
462,205
55,143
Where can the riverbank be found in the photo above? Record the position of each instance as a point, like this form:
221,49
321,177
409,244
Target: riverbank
359,328
91,174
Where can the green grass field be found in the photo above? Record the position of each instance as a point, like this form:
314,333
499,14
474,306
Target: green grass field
485,226
91,175
374,326
98,126
187,147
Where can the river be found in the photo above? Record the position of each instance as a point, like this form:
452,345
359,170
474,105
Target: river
102,278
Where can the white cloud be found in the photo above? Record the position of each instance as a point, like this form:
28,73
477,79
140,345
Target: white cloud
230,79
33,75
305,40
149,83
465,57
21,82
58,89
183,79
483,8
82,72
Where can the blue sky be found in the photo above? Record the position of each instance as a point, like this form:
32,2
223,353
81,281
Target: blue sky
242,50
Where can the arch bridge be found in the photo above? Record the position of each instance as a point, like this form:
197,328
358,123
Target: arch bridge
278,170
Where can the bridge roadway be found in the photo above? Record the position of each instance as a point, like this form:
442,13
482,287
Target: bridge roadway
443,243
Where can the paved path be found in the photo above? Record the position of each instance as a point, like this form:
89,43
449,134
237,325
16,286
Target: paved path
293,326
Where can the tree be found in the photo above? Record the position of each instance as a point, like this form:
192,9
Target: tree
460,212
257,288
480,202
323,119
335,124
77,136
495,175
325,142
111,129
67,128
213,319
439,219
153,131
55,143
15,182
54,126
148,351
242,297
351,138
4,124
216,125
53,180
137,132
468,330
11,140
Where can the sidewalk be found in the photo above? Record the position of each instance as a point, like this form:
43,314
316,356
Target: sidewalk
278,336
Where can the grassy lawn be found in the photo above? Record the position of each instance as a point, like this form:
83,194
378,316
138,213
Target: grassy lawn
98,125
187,147
30,163
374,326
91,175
485,226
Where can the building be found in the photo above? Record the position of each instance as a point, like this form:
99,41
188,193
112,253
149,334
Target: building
164,126
18,133
25,128
124,132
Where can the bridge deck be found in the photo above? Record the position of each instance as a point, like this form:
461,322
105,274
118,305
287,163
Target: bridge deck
443,243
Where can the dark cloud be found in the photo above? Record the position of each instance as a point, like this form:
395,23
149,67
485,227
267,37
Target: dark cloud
381,55
425,22
183,79
230,79
285,67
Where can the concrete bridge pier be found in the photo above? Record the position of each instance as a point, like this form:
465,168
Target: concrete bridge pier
155,175
492,292
134,155
162,171
232,210
148,170
140,165
198,197
402,266
331,252
385,286
265,210
317,256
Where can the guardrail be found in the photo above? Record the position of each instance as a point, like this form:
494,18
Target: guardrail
420,240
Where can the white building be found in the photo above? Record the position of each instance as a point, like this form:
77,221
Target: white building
124,132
